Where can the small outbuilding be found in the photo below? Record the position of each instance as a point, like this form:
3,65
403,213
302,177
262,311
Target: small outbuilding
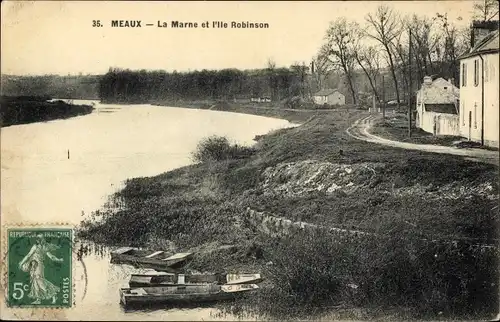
329,97
437,107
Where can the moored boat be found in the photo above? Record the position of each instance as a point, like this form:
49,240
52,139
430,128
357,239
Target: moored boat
185,294
158,260
155,279
165,279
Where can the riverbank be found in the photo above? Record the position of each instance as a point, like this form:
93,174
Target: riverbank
30,109
270,109
421,214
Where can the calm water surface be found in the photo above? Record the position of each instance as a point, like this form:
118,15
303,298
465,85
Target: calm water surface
41,185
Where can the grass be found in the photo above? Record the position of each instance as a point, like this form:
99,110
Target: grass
427,209
313,274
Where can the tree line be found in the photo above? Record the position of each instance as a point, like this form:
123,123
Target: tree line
123,85
72,86
385,39
355,58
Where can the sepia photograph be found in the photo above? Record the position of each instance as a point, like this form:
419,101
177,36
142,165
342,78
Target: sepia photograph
250,160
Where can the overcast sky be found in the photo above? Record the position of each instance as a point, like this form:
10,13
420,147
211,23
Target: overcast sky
57,37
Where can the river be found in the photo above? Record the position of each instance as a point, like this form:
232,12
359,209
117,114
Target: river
60,171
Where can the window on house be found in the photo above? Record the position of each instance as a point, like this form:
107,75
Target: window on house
464,74
475,116
476,72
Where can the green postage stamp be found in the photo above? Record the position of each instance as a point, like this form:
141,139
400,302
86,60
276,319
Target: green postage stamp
39,267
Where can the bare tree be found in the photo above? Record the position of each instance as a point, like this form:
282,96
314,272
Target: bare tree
368,58
271,72
342,37
463,39
385,27
300,70
449,44
486,10
321,66
424,43
400,48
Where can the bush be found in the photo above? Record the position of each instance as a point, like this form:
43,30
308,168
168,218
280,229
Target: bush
311,273
218,148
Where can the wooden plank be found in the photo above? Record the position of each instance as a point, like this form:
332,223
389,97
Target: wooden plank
154,254
140,279
138,291
239,288
178,256
123,250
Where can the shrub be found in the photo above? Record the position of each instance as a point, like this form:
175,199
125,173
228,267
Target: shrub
311,273
218,148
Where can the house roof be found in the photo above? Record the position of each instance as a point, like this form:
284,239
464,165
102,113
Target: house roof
488,44
326,92
441,108
436,94
441,82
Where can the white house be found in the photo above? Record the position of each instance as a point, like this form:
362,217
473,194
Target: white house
329,96
479,78
437,107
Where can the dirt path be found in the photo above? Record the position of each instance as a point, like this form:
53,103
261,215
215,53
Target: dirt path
360,130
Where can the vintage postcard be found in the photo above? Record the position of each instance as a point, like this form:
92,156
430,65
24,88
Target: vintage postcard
240,160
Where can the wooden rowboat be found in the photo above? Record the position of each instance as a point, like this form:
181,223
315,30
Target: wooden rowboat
158,260
188,294
164,279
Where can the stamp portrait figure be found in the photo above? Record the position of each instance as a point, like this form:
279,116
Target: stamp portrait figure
40,267
33,263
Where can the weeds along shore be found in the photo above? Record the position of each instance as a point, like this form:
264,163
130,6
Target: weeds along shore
429,247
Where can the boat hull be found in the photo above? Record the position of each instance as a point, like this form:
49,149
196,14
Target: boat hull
177,295
140,259
148,280
151,280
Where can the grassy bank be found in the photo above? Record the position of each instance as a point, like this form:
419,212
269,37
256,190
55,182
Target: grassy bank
424,212
30,109
271,109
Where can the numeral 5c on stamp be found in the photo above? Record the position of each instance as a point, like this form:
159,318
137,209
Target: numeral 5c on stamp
40,267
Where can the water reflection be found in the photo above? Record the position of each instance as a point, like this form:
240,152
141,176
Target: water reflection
40,184
98,283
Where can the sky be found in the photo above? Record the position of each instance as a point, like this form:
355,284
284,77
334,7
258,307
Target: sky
57,37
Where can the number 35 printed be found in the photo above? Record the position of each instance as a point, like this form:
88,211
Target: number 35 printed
96,23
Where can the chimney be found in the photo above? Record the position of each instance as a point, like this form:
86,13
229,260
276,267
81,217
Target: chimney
427,80
481,29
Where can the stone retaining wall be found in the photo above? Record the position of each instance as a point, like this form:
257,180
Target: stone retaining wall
279,226
275,226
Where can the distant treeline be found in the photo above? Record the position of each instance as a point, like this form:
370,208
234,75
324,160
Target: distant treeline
75,87
126,86
29,109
